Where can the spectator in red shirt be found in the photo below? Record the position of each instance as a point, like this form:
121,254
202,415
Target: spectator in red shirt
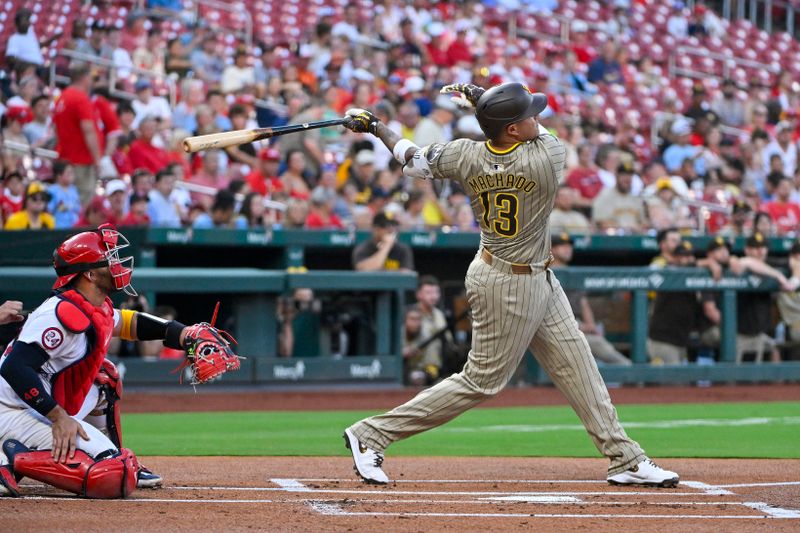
436,49
13,195
264,178
143,153
459,51
785,213
117,194
580,42
585,178
109,132
95,213
321,214
76,131
137,212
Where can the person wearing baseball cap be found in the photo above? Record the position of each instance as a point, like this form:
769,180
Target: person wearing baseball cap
673,316
263,179
754,309
789,301
34,213
684,253
782,146
383,252
12,194
615,208
117,194
740,222
16,118
718,257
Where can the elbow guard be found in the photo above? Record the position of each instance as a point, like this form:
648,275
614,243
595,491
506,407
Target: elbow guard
401,148
418,167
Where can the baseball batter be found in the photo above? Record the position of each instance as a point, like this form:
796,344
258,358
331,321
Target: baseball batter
517,303
59,422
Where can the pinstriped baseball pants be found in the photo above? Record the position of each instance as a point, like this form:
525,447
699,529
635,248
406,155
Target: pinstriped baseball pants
512,313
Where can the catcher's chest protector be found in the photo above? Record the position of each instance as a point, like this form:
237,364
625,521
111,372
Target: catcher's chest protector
78,315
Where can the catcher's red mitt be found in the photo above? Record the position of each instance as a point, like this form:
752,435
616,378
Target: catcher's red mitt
208,351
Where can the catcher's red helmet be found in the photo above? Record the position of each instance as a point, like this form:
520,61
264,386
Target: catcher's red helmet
93,249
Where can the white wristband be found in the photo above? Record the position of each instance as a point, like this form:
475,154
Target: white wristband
401,148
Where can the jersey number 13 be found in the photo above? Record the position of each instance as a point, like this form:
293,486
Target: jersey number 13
504,220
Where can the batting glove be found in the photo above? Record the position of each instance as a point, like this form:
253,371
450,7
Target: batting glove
361,121
470,94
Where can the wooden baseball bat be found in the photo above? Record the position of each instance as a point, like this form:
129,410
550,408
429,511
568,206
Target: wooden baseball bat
235,138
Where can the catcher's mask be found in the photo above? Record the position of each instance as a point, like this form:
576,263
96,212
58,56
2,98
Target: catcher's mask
93,249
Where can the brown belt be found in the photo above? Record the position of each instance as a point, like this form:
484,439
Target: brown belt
516,268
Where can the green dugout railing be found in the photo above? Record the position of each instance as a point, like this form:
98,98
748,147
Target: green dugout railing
254,310
641,281
255,293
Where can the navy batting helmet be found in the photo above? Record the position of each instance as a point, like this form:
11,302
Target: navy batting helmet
506,104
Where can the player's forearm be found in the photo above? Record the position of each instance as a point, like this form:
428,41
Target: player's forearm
375,261
758,267
712,313
390,139
145,327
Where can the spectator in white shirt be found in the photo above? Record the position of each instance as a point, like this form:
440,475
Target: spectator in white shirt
39,131
239,75
121,58
784,147
349,27
678,23
145,104
162,209
24,46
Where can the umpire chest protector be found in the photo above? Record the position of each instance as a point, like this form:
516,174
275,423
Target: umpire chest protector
71,384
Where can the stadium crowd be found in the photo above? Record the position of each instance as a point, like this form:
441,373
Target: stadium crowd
724,161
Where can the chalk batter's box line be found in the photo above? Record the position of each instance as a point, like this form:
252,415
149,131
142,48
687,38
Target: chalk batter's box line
333,509
768,511
69,498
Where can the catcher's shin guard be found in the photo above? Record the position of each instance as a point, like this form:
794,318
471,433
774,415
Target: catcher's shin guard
110,384
113,476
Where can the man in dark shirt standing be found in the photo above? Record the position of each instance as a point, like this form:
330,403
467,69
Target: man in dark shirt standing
754,311
673,317
383,252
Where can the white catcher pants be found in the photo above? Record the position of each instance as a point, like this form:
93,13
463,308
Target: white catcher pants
34,430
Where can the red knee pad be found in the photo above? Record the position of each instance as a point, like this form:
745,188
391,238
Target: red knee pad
112,477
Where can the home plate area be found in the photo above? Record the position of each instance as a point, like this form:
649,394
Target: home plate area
432,494
521,498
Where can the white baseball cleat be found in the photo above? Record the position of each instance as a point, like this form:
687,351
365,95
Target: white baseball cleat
367,461
646,473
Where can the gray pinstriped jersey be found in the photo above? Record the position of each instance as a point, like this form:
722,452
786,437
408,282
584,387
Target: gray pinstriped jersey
511,193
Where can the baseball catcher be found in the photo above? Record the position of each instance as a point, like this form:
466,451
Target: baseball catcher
59,396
